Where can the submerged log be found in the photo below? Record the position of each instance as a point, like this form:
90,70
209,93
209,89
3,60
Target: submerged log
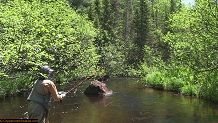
97,88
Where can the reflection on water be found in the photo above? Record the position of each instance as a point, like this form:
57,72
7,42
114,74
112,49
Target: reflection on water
127,105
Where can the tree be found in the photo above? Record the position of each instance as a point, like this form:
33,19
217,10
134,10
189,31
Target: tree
193,43
35,33
80,5
141,28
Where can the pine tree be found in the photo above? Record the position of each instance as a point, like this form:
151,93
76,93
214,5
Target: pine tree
141,22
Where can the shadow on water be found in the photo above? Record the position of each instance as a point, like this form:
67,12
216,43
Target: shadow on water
127,105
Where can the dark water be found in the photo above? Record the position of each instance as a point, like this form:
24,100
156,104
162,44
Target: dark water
128,104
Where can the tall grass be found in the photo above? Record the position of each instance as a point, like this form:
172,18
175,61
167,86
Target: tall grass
177,80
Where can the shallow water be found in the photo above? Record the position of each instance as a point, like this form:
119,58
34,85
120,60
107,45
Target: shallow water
128,104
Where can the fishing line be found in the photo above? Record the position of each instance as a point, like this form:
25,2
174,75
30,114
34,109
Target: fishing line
87,78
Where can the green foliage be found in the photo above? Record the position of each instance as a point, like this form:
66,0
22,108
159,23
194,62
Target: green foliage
144,70
12,86
167,79
35,33
190,90
155,80
106,17
177,43
46,32
80,5
169,45
152,57
192,66
162,80
160,75
173,84
191,44
130,71
208,85
141,22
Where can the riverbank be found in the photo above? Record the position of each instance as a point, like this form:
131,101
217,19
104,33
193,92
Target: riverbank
155,80
181,81
128,104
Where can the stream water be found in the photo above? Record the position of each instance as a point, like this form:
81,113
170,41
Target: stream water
128,104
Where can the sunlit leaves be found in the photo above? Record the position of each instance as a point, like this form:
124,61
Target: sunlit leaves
193,43
44,32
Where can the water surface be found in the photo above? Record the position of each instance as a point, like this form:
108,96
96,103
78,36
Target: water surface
128,104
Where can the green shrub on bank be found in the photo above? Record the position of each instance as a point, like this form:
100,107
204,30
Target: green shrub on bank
209,86
154,79
34,33
173,84
2,92
176,80
39,32
160,80
181,80
18,83
190,90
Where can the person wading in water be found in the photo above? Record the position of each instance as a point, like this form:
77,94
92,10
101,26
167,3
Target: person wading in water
40,96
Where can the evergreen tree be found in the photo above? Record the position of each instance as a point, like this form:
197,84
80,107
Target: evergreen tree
141,28
128,30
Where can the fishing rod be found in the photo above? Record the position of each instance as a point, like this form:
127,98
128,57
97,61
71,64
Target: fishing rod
75,87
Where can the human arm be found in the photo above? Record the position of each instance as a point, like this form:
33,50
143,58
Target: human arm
53,90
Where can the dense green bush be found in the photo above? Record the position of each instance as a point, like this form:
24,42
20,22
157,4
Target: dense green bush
39,32
190,90
192,41
45,32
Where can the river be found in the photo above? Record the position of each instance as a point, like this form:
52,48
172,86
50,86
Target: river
128,104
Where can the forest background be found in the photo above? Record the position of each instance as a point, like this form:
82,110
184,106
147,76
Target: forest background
169,45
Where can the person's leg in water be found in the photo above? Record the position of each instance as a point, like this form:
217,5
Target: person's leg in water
36,111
